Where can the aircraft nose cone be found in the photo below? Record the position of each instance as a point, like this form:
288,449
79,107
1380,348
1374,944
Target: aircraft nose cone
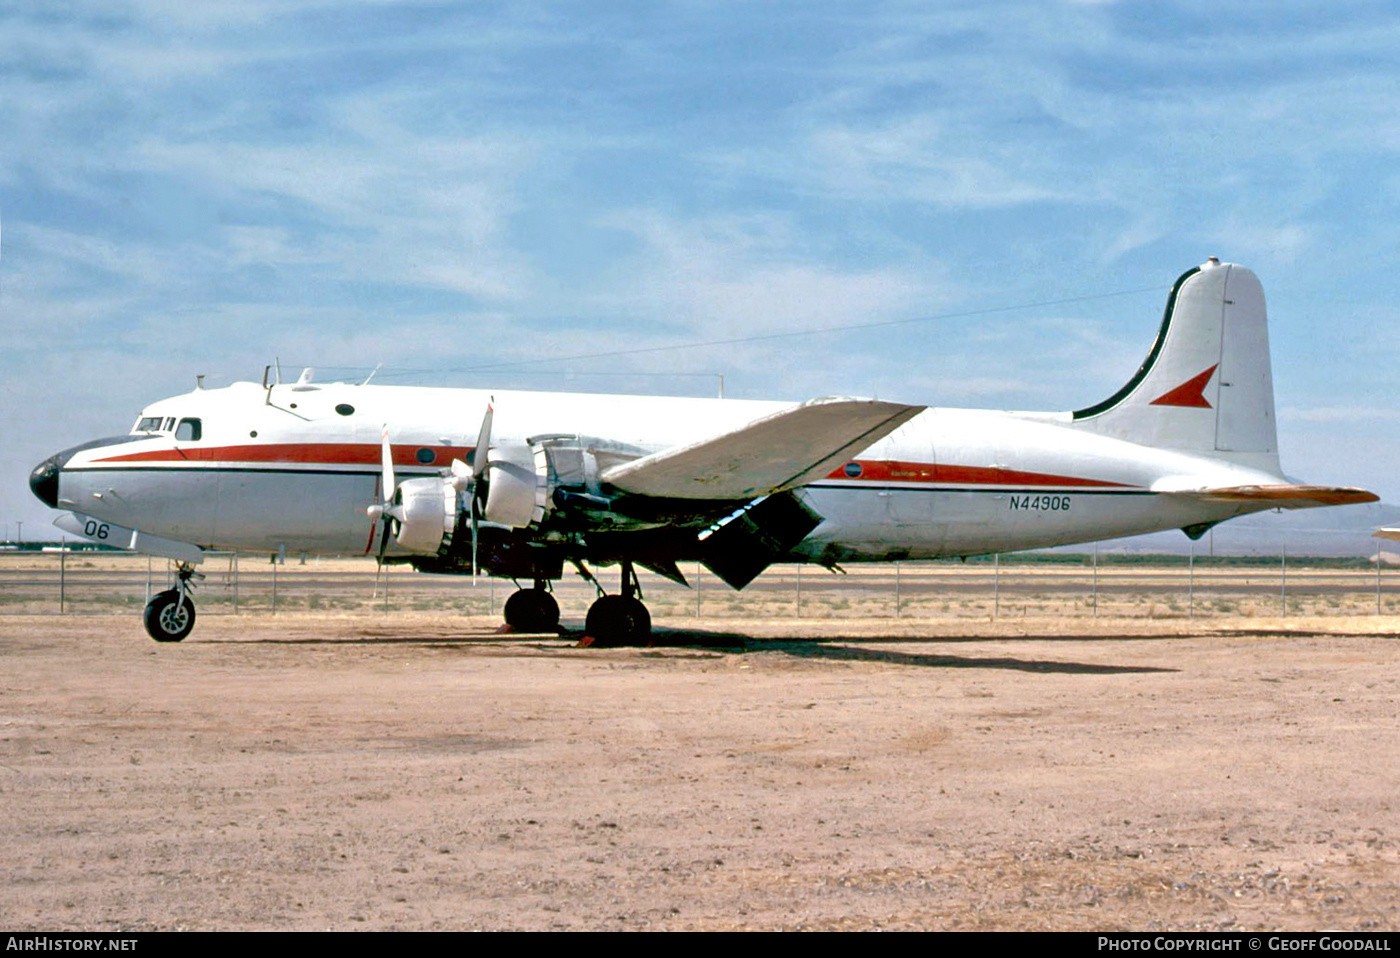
44,480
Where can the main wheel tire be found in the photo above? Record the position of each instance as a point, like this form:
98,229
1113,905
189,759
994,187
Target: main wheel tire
618,620
167,618
532,610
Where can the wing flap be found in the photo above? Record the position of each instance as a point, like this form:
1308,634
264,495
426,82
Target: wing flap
782,451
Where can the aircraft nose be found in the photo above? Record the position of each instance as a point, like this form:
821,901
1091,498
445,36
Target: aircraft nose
44,480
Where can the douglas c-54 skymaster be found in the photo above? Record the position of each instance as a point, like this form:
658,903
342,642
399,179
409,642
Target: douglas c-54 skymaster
517,484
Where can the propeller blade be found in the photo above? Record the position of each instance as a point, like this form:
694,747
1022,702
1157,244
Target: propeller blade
387,456
461,475
480,455
474,526
390,511
483,441
384,540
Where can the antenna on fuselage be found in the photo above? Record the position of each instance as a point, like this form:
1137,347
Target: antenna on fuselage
371,374
272,376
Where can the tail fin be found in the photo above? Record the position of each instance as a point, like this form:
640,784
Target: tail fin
1207,386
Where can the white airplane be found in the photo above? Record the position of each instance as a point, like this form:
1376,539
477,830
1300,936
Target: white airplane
516,484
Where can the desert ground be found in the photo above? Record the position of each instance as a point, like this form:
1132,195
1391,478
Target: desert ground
390,767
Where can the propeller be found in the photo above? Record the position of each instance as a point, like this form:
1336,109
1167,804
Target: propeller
474,480
470,479
390,511
479,456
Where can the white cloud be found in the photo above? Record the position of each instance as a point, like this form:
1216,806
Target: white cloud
733,276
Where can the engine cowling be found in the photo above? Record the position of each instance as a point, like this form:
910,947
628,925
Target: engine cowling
428,514
519,480
517,485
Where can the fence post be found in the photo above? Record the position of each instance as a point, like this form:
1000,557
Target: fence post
1191,583
1096,579
799,590
62,568
996,585
896,589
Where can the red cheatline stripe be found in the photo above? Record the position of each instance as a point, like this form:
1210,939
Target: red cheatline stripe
949,474
364,454
325,453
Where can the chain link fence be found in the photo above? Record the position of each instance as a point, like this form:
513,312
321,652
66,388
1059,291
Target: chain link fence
1020,585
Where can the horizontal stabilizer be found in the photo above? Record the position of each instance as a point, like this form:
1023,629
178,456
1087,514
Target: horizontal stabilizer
1281,496
778,452
1386,534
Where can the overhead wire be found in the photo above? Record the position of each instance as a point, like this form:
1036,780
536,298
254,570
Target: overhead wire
765,337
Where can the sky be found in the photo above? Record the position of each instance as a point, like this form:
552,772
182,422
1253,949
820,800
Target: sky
484,194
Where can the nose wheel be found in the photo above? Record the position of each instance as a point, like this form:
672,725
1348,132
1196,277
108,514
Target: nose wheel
170,614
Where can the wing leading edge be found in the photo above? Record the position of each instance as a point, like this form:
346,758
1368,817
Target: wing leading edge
779,452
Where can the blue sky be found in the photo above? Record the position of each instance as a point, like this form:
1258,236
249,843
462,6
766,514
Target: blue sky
199,187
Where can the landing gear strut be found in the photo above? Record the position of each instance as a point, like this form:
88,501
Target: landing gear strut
170,614
532,610
620,619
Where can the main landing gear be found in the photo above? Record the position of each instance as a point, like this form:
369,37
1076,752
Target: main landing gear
533,610
612,619
619,619
170,614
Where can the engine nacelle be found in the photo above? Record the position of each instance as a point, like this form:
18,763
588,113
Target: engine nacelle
517,485
429,514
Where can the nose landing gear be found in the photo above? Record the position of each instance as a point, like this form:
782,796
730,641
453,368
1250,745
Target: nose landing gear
170,614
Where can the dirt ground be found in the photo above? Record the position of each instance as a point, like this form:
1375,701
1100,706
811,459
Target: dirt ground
419,771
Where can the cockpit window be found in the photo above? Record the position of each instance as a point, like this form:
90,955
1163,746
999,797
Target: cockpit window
189,430
148,424
169,423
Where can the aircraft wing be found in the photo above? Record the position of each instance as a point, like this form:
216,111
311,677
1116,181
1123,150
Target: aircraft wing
1386,533
782,451
1281,496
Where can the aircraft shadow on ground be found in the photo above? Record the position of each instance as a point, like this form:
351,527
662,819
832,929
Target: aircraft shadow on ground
834,648
843,649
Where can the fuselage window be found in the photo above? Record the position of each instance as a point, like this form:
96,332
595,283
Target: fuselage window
189,430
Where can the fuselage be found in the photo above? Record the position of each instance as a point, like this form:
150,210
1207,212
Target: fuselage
295,468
